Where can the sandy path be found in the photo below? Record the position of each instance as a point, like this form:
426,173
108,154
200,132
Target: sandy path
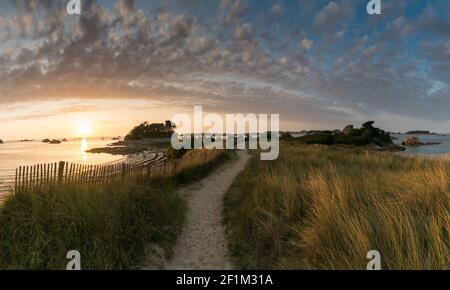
202,242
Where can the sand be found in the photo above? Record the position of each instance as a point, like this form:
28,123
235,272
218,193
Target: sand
202,243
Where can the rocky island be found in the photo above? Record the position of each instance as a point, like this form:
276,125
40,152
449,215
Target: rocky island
142,138
415,141
367,136
54,141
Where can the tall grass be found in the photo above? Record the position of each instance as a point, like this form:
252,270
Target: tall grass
110,226
325,208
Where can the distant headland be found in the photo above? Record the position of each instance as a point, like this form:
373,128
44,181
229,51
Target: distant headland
421,132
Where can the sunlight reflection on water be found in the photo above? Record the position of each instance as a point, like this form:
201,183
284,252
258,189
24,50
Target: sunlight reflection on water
15,154
84,147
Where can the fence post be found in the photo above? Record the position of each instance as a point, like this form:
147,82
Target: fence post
123,171
15,183
61,171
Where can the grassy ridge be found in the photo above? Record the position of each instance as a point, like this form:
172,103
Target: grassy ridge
325,208
110,227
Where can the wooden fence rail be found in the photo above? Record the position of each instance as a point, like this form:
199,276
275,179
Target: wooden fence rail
28,178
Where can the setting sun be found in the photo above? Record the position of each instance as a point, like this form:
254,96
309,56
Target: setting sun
84,129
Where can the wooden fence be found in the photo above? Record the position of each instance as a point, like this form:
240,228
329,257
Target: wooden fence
28,178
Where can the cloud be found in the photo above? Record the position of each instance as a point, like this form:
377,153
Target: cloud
306,44
327,67
432,21
276,9
332,15
235,10
244,32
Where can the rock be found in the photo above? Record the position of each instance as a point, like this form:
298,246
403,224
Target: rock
46,140
348,129
414,142
54,141
368,124
1,141
411,141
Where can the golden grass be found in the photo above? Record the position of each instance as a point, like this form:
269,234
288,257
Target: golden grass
324,208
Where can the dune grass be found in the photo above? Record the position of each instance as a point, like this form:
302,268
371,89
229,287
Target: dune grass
325,208
110,226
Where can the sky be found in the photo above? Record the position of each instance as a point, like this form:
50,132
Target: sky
319,64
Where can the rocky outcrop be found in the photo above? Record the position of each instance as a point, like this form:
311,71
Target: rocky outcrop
366,135
415,141
54,141
348,129
1,141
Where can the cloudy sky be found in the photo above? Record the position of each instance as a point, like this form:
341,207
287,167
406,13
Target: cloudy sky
319,64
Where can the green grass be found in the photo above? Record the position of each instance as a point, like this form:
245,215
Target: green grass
321,207
110,227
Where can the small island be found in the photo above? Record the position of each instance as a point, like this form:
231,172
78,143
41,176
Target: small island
422,132
54,141
142,138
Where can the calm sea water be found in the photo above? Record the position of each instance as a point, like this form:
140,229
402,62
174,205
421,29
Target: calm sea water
443,148
15,154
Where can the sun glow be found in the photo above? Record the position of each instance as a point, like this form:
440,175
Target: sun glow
84,129
84,147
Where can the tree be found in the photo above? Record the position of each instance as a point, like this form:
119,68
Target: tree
169,124
154,130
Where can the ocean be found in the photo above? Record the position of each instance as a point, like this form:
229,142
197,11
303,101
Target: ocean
15,154
441,149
